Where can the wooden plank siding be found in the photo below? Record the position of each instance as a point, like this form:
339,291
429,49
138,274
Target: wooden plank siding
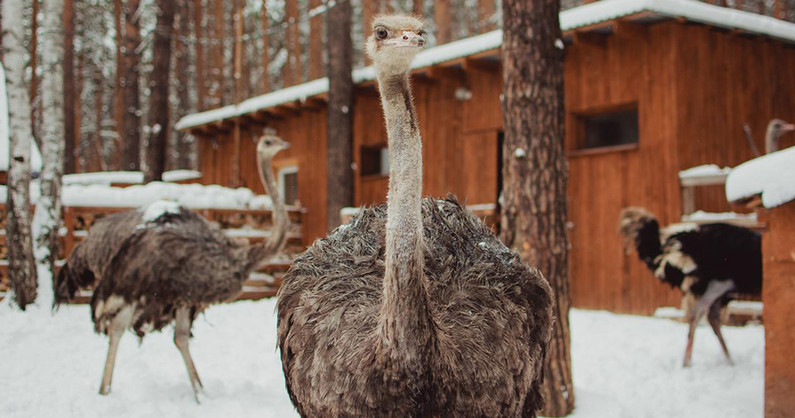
694,87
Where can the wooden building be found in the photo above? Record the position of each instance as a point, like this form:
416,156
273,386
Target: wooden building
652,87
767,184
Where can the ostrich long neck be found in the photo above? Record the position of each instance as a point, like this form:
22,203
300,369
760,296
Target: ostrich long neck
259,252
405,322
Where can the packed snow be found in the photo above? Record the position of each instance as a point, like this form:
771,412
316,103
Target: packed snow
701,216
195,196
771,175
624,366
127,177
706,170
155,210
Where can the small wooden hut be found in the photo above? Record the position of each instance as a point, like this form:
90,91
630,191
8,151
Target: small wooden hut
651,87
767,184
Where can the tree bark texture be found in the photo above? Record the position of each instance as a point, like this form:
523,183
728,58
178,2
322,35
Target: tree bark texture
315,43
534,216
69,165
131,131
339,146
266,58
22,265
181,159
35,107
52,116
118,88
159,88
217,70
198,31
441,15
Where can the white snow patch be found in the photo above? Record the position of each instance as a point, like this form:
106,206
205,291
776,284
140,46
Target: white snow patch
771,175
706,170
5,144
349,211
701,216
193,196
519,153
127,177
624,366
155,210
559,43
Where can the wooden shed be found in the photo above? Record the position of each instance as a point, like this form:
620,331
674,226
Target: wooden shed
767,184
652,87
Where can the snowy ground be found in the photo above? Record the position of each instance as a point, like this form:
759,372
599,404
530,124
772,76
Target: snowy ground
624,366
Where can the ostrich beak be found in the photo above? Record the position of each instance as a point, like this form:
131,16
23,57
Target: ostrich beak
788,127
408,38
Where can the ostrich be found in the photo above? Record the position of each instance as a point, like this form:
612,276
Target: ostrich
775,128
413,308
706,262
169,267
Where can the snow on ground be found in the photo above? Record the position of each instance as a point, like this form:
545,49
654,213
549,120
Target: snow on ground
624,366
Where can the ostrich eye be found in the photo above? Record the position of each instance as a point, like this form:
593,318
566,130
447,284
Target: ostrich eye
422,33
381,33
268,142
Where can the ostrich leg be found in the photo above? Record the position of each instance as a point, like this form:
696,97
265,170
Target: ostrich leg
118,325
181,340
714,321
714,291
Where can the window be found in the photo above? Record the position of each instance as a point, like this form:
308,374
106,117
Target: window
608,129
375,160
288,184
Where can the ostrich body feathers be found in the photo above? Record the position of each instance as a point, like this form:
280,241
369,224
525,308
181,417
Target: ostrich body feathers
491,319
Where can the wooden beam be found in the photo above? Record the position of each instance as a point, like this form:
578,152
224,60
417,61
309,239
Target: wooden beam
440,72
628,29
590,39
481,64
314,103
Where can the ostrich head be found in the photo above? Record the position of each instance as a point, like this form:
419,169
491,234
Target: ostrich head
395,40
269,145
775,129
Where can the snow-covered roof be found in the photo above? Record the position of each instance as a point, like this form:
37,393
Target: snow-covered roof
5,151
570,19
771,175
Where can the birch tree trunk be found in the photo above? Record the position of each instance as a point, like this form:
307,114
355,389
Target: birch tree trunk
48,210
339,154
22,266
159,88
69,93
535,173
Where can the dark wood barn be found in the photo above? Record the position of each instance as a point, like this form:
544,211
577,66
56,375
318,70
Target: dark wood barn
651,88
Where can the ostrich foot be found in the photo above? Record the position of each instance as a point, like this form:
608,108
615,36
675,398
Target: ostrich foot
118,325
714,321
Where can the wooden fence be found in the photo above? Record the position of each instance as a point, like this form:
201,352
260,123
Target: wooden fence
252,225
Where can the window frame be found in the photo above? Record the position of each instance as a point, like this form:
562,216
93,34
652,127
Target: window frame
578,123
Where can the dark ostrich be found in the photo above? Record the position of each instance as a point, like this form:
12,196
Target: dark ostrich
709,263
413,308
165,264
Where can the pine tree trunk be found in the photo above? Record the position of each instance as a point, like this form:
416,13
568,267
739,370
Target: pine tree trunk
217,69
182,62
266,48
158,96
339,183
22,266
441,16
534,168
198,31
48,210
69,165
131,129
118,88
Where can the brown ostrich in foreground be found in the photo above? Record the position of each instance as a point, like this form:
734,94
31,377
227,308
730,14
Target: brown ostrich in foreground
165,263
413,308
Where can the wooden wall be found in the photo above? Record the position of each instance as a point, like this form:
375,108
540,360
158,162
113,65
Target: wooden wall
694,87
778,294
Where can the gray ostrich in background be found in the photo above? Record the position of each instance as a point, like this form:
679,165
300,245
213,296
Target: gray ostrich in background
413,308
165,264
775,128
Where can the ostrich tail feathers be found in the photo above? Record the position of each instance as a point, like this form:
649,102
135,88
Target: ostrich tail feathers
71,277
